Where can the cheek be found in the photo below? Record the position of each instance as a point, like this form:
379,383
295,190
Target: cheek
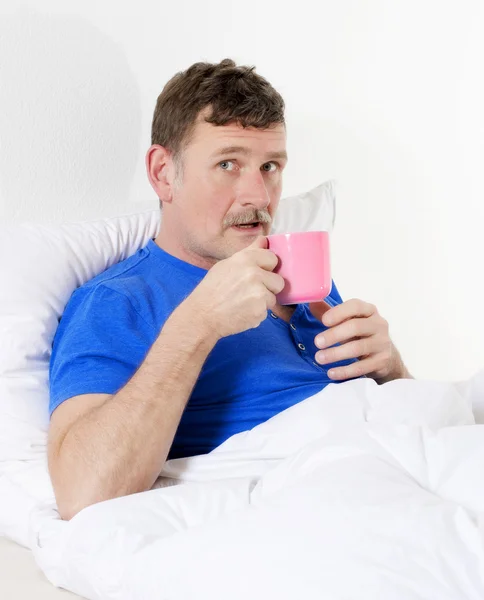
274,186
215,209
208,200
275,195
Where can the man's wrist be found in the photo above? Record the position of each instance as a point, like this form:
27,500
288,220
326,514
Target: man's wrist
193,325
399,371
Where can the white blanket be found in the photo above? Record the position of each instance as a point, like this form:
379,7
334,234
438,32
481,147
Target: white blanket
362,491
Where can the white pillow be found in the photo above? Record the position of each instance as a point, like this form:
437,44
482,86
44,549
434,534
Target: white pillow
40,267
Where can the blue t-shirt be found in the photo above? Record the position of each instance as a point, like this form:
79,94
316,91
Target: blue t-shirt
111,322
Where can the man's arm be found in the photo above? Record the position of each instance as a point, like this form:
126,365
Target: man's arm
103,446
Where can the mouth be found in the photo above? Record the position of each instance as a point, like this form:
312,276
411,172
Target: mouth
253,228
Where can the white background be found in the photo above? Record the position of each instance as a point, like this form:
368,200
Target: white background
385,96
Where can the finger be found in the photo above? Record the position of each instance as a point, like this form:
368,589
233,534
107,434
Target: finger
352,349
271,300
259,242
266,259
348,310
354,328
273,282
357,369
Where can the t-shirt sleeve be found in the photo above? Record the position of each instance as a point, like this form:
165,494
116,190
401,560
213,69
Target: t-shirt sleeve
100,342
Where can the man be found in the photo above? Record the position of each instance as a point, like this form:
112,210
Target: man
175,349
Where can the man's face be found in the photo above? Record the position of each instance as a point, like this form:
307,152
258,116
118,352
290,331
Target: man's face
227,191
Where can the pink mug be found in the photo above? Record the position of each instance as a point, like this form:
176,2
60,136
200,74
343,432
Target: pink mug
304,264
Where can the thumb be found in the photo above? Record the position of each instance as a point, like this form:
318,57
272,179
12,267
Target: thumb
259,242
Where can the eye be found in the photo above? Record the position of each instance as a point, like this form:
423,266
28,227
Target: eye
269,167
227,165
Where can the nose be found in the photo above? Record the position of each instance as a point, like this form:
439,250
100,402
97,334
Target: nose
252,191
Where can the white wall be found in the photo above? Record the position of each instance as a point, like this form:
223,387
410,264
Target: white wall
386,97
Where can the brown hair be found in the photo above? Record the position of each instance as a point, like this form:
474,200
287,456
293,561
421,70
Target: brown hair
233,93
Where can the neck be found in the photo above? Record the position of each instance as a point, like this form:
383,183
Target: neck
170,244
284,312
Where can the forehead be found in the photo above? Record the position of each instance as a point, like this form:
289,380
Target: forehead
214,137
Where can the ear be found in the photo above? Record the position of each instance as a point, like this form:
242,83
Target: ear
160,169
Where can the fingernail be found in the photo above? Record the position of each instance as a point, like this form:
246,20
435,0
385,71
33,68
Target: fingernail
320,356
320,342
331,373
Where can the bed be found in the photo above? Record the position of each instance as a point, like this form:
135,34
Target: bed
380,482
22,579
46,268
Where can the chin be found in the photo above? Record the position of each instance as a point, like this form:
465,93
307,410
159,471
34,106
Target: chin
237,245
238,240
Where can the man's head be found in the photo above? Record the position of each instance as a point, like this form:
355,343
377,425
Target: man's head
216,160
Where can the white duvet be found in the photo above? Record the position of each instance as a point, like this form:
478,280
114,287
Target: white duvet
360,492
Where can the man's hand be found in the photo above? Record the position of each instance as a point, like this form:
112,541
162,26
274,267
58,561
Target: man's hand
363,334
237,292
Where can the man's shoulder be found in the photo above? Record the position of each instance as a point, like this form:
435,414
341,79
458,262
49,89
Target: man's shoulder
123,286
105,326
122,275
143,282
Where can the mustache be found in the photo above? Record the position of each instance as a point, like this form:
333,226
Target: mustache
250,216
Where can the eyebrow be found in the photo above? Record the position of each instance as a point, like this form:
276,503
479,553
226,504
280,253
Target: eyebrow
281,154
